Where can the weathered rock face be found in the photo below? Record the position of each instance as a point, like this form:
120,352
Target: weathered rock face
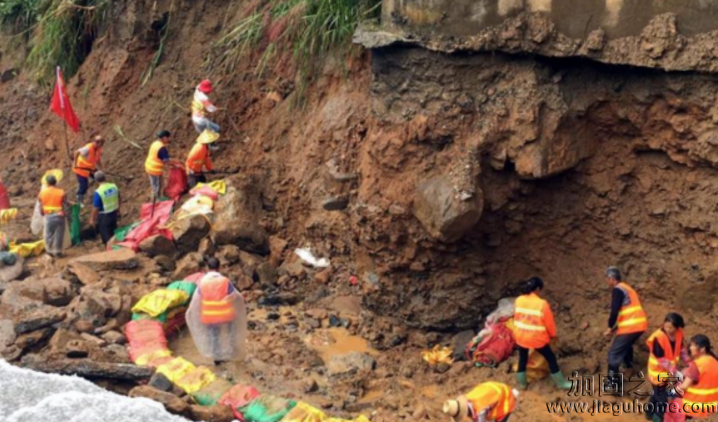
120,259
12,272
237,221
160,245
187,233
171,402
350,363
442,210
188,265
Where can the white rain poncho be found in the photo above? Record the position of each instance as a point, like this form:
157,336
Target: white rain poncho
220,341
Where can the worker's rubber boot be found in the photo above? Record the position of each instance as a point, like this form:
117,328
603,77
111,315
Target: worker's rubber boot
521,380
561,381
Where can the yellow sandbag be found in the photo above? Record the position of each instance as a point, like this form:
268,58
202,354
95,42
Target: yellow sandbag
303,412
145,359
8,215
27,249
219,186
56,172
175,369
195,380
510,324
360,418
157,302
438,355
536,367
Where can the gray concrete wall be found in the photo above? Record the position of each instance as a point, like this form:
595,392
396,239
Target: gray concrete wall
575,18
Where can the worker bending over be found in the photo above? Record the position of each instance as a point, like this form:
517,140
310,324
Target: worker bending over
106,208
201,105
54,208
535,327
87,161
666,349
199,158
490,401
627,320
157,157
700,380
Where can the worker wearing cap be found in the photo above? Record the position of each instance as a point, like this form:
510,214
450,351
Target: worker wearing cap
199,158
201,105
87,160
106,207
490,401
157,157
53,208
627,321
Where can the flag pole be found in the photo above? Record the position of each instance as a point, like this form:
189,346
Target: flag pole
67,145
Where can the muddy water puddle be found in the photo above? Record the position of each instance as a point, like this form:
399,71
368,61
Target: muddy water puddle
332,342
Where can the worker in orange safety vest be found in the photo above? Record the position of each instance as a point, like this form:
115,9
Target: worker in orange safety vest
627,320
199,159
88,160
490,401
666,349
700,380
53,208
157,156
217,311
534,329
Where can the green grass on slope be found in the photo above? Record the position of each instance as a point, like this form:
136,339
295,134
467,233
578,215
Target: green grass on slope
293,36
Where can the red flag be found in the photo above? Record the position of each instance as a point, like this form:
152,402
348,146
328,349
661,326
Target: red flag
61,104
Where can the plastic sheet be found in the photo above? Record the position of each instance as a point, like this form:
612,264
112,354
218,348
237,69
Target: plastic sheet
176,183
37,223
75,224
197,205
152,224
223,342
219,186
267,408
307,256
194,278
492,346
157,302
438,355
239,396
4,198
211,394
205,191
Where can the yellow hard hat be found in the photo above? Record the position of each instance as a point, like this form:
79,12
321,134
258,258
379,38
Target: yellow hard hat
207,137
56,172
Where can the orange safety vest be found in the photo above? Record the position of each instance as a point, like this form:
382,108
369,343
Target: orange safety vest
495,395
84,166
655,370
51,200
199,158
701,399
631,317
153,165
216,306
531,331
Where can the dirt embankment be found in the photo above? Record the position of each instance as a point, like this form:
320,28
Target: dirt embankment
516,166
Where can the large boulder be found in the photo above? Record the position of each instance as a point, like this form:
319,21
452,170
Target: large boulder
158,245
188,265
120,259
84,274
56,291
189,232
237,215
446,213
